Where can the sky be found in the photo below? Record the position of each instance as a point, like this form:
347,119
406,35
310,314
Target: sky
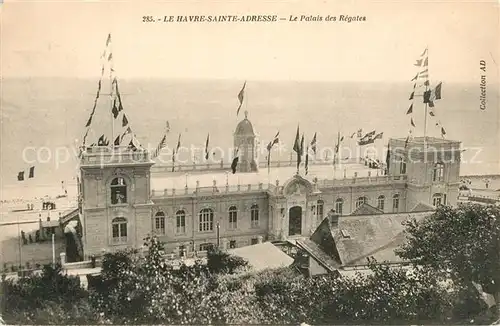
66,39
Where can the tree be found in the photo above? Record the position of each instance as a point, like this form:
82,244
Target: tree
461,244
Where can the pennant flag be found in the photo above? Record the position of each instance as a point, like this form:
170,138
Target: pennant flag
302,145
132,145
410,109
241,96
353,134
100,142
388,159
415,78
431,113
178,144
418,63
89,121
378,136
426,62
342,138
20,176
272,142
313,144
307,160
431,105
117,141
296,144
407,140
124,121
443,132
206,147
424,53
108,40
411,95
412,123
110,56
114,110
426,83
168,127
32,172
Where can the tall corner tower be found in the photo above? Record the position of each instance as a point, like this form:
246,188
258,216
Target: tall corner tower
431,167
115,198
244,141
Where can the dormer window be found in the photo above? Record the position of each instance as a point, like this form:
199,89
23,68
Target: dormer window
118,191
438,172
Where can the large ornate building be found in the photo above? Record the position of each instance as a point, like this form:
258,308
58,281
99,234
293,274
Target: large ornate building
124,196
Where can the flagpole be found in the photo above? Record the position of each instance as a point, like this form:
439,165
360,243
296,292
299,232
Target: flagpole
111,93
426,108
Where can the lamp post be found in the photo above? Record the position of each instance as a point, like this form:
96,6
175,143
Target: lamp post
218,235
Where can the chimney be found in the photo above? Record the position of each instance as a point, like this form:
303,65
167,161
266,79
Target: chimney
333,217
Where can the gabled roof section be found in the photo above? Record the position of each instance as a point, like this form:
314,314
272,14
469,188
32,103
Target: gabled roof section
319,255
422,207
323,238
366,209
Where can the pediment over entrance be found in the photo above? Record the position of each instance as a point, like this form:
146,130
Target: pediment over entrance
297,186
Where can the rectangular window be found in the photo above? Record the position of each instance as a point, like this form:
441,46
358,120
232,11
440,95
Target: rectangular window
160,225
254,241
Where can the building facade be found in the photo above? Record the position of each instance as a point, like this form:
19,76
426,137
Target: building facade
124,197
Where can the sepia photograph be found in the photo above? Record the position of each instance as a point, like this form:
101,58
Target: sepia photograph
249,162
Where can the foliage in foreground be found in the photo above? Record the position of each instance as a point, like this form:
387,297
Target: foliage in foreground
144,290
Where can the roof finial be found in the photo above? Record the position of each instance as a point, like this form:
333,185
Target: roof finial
246,114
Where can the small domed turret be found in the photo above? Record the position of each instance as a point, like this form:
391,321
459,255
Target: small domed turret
244,128
244,140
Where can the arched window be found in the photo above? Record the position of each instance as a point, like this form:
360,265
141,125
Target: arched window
160,223
206,220
381,202
320,207
360,201
395,202
118,191
180,222
339,206
437,199
119,227
254,216
438,172
233,217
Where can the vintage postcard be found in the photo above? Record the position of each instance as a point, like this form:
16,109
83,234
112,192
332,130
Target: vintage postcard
250,162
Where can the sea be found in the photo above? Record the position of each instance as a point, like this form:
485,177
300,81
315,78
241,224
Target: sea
43,120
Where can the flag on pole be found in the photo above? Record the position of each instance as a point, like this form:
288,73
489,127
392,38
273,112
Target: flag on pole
313,144
272,142
388,159
360,133
412,123
302,145
410,109
234,164
124,120
178,143
206,147
108,40
241,96
32,172
296,147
